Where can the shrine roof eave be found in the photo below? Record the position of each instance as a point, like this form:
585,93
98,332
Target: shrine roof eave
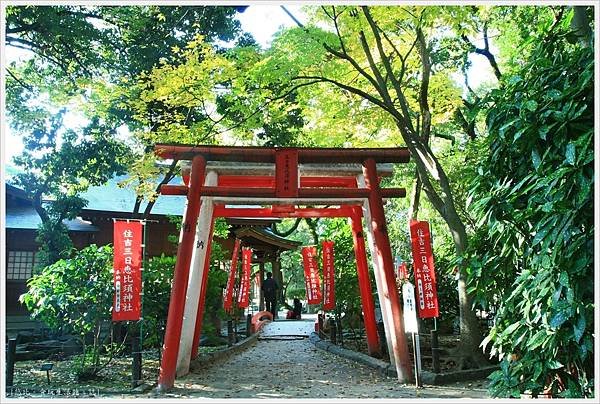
264,236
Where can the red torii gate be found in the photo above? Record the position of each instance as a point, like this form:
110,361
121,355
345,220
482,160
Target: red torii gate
214,185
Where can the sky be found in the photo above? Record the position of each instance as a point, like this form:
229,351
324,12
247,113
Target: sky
262,21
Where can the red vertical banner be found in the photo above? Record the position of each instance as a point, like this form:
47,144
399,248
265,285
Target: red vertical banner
244,294
228,298
311,275
328,276
286,173
402,272
425,283
127,265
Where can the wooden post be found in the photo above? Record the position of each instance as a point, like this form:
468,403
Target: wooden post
278,276
340,331
248,325
11,354
320,321
417,358
261,276
230,335
136,360
435,351
203,286
333,331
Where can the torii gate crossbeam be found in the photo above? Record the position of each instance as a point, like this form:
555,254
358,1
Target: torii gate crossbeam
290,188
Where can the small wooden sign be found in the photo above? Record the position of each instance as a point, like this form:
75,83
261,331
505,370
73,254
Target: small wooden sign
286,173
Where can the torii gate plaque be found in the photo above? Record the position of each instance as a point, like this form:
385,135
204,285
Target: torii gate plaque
285,179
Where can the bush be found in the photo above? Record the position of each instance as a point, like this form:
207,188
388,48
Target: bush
534,198
75,295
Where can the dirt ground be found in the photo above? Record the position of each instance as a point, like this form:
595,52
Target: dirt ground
283,365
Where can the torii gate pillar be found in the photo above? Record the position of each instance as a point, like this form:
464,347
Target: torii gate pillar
166,377
383,266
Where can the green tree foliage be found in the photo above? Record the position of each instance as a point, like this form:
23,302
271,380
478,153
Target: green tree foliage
89,55
73,42
158,276
533,257
59,163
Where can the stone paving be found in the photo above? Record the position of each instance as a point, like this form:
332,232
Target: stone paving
283,364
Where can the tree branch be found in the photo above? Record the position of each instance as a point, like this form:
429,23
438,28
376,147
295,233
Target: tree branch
21,83
380,87
22,28
288,231
469,128
405,117
168,177
269,101
351,89
484,51
402,58
424,90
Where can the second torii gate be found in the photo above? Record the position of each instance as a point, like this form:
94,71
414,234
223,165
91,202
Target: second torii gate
229,179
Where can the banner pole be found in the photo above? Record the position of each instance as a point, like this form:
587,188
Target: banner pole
144,263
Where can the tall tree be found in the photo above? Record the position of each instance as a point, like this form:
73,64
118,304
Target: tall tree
386,58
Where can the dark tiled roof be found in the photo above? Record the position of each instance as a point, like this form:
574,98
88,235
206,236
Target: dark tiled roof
112,198
25,217
16,192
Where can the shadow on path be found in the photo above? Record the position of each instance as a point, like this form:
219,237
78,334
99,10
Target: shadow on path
283,364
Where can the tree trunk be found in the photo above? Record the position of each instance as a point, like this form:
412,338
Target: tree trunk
429,167
581,25
166,179
413,209
430,171
470,333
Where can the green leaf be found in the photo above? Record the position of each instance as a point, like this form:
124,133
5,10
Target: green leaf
558,319
563,279
554,94
570,154
579,328
554,364
514,80
535,158
518,134
507,125
510,329
531,105
540,235
537,340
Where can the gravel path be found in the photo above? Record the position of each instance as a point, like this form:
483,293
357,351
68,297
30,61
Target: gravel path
283,365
